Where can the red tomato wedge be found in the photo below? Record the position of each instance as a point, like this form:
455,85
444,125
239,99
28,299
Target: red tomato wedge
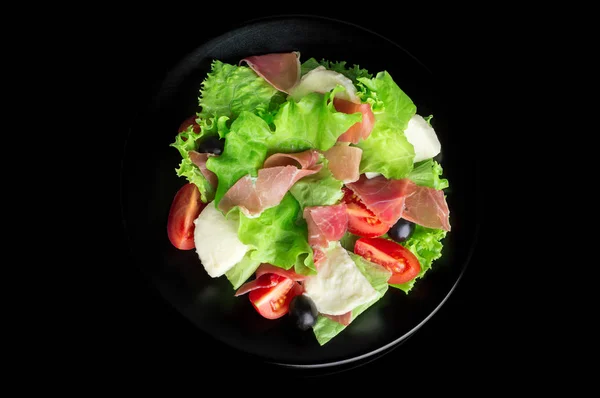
394,257
362,221
184,210
274,302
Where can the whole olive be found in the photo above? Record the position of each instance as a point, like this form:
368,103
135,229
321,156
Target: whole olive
303,312
402,230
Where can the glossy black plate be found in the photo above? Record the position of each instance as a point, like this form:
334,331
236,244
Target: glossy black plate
149,183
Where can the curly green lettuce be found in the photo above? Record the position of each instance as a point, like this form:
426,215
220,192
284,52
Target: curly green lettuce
426,244
187,141
387,150
229,90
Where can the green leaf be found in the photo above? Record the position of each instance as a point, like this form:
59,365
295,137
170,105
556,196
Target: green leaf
311,123
320,189
387,151
353,73
185,142
426,244
427,173
348,241
325,329
244,152
228,90
279,235
242,271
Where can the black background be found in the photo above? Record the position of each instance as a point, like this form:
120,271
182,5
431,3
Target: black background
142,334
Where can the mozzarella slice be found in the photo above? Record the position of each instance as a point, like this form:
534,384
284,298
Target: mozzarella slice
338,286
217,242
322,80
370,175
423,138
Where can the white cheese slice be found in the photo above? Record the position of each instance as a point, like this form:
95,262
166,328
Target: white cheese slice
338,286
423,138
370,175
322,80
217,242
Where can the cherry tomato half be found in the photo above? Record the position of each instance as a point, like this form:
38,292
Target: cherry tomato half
185,208
362,221
274,302
403,264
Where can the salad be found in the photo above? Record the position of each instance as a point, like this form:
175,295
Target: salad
313,187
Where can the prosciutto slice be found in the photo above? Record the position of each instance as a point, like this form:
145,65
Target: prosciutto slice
281,70
265,268
427,207
344,162
303,160
268,275
384,197
259,283
325,224
199,159
360,130
253,195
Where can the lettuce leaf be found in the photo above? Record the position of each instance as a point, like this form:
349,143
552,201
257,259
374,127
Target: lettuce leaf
242,271
427,173
320,189
352,73
311,123
348,241
279,235
386,150
325,329
244,153
186,141
230,89
426,244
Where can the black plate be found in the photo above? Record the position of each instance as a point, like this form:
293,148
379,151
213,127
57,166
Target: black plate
149,183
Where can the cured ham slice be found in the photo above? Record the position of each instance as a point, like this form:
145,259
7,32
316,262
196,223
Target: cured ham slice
303,160
199,159
265,268
255,194
360,130
281,70
268,275
259,283
427,207
343,319
384,197
325,224
344,162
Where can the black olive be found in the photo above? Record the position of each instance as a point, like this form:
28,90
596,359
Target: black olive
402,230
212,144
303,312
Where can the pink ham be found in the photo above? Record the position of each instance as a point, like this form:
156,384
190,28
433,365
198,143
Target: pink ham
344,319
360,130
318,256
199,159
264,281
344,162
384,197
265,268
325,224
303,160
253,195
427,207
281,70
